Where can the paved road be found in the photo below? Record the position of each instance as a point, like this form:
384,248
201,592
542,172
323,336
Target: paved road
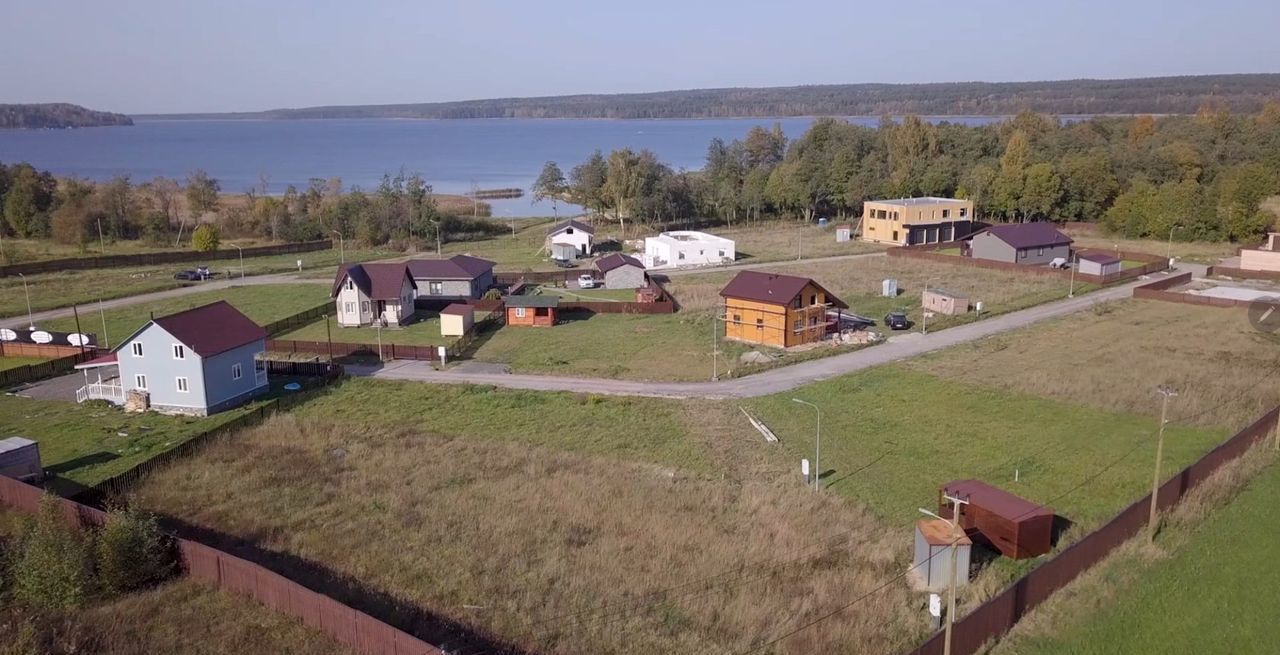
275,278
896,348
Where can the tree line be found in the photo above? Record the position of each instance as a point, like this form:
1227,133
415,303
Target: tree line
1204,176
57,116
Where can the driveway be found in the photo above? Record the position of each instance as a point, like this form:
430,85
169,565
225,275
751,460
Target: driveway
898,347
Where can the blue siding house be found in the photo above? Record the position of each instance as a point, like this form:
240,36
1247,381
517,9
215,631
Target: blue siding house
197,362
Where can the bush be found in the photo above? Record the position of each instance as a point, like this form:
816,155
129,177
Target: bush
205,238
131,552
51,565
493,294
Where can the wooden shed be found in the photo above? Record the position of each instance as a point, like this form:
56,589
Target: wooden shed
456,320
532,311
1015,526
941,301
20,459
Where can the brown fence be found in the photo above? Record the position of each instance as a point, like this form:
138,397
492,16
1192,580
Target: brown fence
1248,274
345,625
664,307
341,349
1153,263
33,372
539,277
1159,290
998,615
298,320
18,349
150,258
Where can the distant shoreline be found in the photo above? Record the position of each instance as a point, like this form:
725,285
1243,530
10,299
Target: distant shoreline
162,118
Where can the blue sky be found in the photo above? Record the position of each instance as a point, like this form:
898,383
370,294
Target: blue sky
195,55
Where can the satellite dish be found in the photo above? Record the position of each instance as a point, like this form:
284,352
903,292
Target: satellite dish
8,335
78,339
40,336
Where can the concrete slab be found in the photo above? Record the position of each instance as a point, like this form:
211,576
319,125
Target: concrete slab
1235,293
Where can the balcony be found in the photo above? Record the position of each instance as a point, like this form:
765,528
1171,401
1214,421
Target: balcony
101,391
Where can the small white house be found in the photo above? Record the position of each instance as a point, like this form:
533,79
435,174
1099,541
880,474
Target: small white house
687,248
456,320
1099,263
579,235
367,293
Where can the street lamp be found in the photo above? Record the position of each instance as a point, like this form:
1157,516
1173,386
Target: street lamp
31,323
241,259
817,444
1170,253
342,250
1166,393
924,311
1071,292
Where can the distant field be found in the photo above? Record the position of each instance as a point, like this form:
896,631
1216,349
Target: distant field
263,303
16,251
783,240
7,362
1202,252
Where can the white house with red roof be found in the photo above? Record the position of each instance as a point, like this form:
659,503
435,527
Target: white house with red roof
579,235
197,362
368,293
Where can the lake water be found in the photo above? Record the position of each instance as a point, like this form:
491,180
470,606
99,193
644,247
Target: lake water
452,155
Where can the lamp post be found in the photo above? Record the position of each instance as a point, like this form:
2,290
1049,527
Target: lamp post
924,312
951,584
342,249
1166,393
1170,252
715,346
31,323
241,250
1071,292
817,444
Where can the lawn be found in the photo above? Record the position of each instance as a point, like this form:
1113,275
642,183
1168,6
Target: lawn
263,303
1216,578
8,362
1203,252
777,241
590,295
423,331
1113,358
52,290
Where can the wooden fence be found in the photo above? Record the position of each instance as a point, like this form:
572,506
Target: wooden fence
300,319
1244,273
999,614
32,372
1159,290
19,349
151,258
605,307
1152,263
341,349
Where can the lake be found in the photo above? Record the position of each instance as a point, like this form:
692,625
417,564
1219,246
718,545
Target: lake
452,155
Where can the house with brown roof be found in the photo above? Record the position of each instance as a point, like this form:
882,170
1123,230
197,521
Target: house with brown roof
198,362
777,310
1020,243
572,233
459,277
619,271
365,294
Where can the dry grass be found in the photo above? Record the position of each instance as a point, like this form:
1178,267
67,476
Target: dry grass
1204,252
575,559
1113,358
786,240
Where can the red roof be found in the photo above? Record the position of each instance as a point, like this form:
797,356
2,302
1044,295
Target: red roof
378,281
1100,258
103,360
458,309
616,260
561,227
772,288
210,329
994,500
1027,235
457,267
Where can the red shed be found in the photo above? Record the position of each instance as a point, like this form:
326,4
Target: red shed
1016,527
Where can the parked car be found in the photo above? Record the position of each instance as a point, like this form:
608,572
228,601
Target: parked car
896,321
586,281
199,273
1059,262
564,263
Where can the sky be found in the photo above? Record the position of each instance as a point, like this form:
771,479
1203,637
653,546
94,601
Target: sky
164,56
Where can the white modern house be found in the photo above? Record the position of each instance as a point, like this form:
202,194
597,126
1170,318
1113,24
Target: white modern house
579,235
196,362
687,248
367,293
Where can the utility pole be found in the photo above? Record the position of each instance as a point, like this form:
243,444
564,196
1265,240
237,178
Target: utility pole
102,244
1276,446
1071,292
924,311
1166,393
342,249
31,323
957,533
241,250
817,444
106,343
1170,252
715,346
328,335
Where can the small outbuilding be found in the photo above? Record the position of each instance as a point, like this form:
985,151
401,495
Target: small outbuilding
619,271
931,565
456,320
941,301
843,233
1015,526
565,252
532,311
20,459
1099,263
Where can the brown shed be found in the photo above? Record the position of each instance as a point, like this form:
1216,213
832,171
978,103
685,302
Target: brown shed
534,311
1015,526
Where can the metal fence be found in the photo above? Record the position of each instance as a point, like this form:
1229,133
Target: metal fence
337,349
1159,290
298,320
999,614
1248,274
33,372
151,258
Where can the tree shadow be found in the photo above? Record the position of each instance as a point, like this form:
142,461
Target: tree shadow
84,460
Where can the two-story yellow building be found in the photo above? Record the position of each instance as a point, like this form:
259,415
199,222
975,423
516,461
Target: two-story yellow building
913,221
777,310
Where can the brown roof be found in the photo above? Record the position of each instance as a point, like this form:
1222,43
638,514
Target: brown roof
378,281
940,533
457,267
1100,257
994,500
772,288
560,227
458,309
1027,235
208,330
616,260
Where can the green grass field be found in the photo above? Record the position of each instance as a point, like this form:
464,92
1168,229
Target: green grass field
423,331
263,303
7,362
590,295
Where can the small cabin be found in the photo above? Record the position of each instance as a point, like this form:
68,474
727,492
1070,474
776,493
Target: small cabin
532,311
456,320
941,301
1099,263
1015,526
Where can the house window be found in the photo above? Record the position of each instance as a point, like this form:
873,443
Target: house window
798,325
813,300
350,285
349,307
759,323
179,351
681,255
1039,251
722,253
435,288
946,213
895,235
364,306
737,318
799,301
236,372
964,211
137,349
813,321
519,312
182,385
1022,254
700,252
140,381
568,230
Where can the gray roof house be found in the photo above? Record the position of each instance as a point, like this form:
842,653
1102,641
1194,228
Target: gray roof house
196,362
457,278
574,233
619,271
1020,243
1099,263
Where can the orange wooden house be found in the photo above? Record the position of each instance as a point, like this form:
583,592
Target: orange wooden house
777,310
531,311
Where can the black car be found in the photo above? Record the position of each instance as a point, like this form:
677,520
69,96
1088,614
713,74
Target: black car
200,273
564,263
896,321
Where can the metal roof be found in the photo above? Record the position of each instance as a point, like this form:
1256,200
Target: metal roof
379,281
457,267
616,260
940,533
207,330
1100,258
994,500
772,288
532,301
1027,235
458,309
561,227
927,200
